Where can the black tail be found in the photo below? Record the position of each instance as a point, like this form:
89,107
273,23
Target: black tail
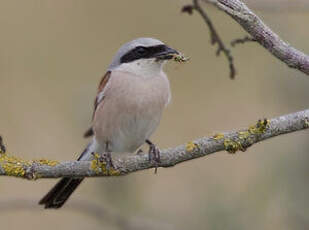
61,192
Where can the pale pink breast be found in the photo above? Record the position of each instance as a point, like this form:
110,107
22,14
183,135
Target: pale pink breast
130,111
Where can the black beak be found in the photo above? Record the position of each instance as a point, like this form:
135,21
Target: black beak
166,54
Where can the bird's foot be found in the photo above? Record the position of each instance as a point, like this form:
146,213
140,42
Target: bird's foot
105,158
154,154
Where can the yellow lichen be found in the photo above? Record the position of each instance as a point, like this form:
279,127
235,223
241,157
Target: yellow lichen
260,127
218,136
13,166
95,163
232,146
245,138
16,170
243,134
51,163
99,166
191,146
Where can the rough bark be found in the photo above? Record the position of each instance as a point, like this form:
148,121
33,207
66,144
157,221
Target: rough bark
127,163
263,34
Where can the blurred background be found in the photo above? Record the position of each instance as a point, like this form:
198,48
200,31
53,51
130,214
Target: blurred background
52,57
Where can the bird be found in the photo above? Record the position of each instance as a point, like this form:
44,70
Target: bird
128,107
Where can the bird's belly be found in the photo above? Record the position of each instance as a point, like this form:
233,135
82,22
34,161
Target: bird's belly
126,123
133,132
130,111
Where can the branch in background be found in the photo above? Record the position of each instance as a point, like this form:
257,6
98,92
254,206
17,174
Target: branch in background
214,37
263,34
103,215
127,163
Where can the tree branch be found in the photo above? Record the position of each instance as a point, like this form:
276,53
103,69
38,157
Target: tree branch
263,34
127,163
214,36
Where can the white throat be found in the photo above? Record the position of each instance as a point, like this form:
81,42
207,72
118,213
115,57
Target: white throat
145,68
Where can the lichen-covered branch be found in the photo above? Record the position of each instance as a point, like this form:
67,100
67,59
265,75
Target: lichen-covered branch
127,163
263,34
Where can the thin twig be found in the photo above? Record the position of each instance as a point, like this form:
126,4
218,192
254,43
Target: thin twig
214,37
127,163
242,40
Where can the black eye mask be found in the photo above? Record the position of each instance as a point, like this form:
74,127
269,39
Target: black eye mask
142,52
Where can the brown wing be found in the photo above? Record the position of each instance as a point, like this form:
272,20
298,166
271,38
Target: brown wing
98,99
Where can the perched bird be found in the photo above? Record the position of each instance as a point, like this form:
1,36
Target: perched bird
127,110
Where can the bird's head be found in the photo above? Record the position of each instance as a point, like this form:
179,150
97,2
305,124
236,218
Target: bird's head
142,56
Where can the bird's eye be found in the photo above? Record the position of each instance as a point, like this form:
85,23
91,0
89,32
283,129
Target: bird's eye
141,50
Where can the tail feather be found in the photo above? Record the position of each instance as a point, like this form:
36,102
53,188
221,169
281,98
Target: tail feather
61,192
